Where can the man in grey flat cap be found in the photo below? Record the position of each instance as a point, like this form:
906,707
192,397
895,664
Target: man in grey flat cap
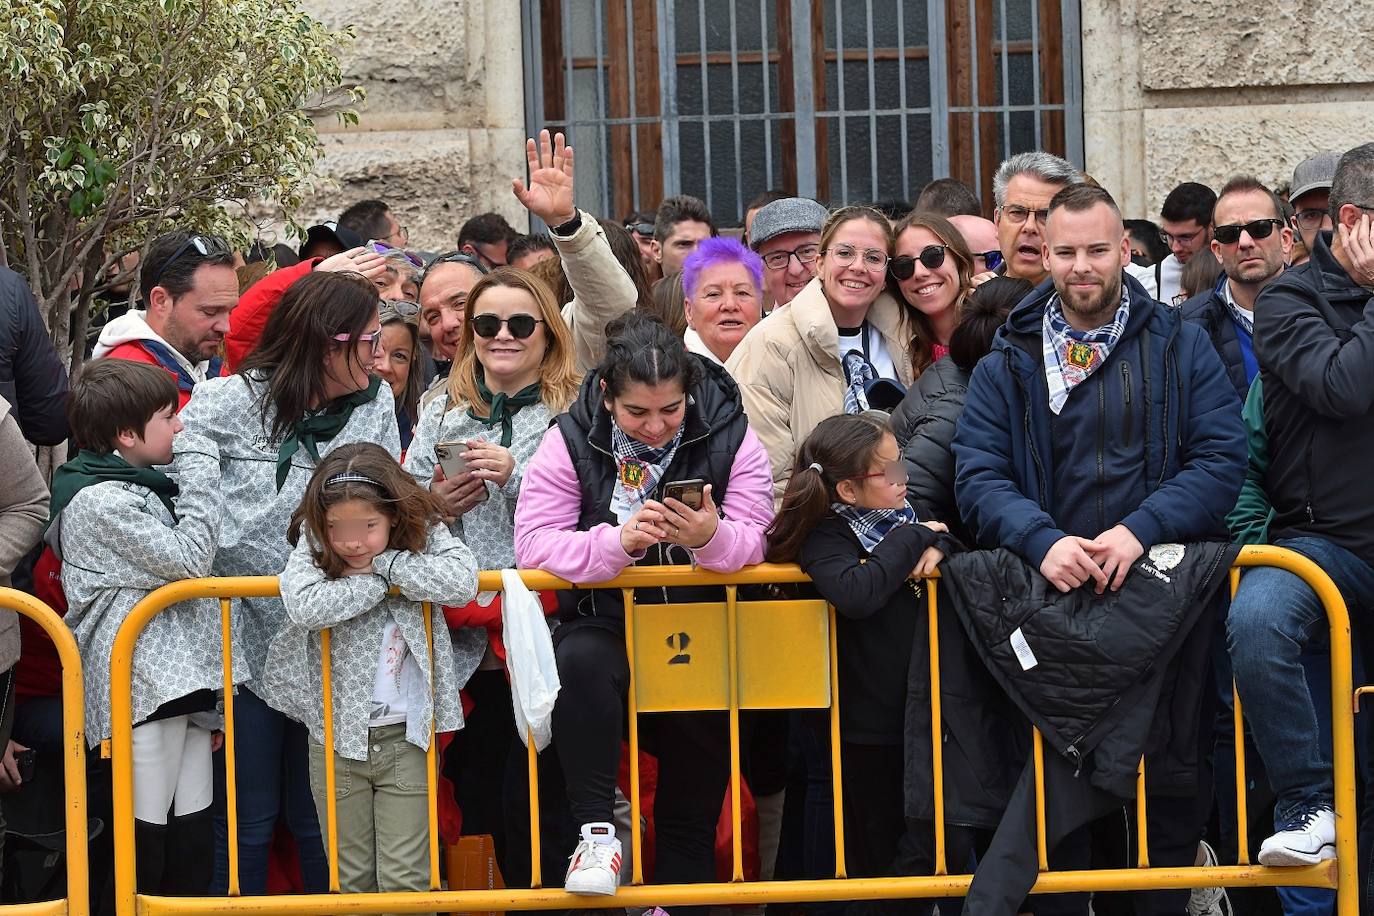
786,234
1309,194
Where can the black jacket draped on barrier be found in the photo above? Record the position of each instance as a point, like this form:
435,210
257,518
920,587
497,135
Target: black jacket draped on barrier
1105,678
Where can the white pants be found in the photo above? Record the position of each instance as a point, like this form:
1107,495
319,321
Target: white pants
171,766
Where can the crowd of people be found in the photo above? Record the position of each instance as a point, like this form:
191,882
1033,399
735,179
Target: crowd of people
1075,417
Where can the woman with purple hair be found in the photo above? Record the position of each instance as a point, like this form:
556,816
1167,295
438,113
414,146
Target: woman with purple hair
723,283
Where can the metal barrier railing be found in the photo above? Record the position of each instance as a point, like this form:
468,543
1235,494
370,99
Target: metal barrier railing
77,901
729,637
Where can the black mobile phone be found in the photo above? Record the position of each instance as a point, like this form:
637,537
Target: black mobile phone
688,492
23,761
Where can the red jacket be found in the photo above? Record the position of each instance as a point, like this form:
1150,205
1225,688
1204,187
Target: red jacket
134,351
246,322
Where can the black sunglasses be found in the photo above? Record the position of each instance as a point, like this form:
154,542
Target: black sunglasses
903,267
203,245
645,229
520,326
1258,229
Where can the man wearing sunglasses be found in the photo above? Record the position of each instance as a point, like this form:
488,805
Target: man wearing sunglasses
980,235
1099,427
189,288
1252,243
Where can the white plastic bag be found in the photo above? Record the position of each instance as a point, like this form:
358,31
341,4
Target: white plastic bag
529,660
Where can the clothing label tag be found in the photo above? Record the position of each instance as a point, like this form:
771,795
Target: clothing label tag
1024,655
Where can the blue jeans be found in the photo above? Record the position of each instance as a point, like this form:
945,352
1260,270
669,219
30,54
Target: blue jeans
273,779
1273,618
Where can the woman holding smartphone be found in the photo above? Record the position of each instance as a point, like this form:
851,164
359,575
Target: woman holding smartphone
514,372
594,503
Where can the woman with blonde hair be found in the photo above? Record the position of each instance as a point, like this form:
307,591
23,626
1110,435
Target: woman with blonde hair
513,374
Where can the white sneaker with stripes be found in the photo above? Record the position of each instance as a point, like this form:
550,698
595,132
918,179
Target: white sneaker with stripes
595,864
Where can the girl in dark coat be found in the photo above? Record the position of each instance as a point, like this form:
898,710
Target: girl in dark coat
845,519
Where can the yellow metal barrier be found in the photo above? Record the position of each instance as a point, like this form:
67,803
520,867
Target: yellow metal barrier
77,901
731,668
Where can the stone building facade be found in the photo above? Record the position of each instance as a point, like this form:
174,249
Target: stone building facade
1168,93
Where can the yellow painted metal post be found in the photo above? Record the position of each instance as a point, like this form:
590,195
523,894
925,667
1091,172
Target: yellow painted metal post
1238,724
632,710
536,871
1342,712
331,812
1038,754
73,743
230,742
732,638
1142,827
836,767
937,750
431,756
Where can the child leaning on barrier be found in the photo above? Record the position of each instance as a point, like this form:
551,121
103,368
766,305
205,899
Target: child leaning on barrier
121,530
363,528
845,519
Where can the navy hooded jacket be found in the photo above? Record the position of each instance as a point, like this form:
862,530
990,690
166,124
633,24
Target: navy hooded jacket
1163,385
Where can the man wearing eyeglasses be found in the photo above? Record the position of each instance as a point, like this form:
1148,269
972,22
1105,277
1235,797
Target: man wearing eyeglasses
189,288
1252,243
1186,228
1314,338
1021,190
1310,196
786,234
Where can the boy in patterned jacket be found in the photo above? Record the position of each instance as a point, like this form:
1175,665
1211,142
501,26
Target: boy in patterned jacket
121,532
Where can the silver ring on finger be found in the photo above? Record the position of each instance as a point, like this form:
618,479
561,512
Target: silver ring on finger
636,526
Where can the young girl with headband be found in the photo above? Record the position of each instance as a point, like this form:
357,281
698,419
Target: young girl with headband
845,520
363,528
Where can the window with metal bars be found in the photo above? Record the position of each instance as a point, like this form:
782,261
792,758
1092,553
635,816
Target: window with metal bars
843,100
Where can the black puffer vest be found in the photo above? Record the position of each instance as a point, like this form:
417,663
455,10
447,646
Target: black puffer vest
714,428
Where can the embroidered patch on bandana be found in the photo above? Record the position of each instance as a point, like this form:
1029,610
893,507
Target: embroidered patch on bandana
1080,355
632,474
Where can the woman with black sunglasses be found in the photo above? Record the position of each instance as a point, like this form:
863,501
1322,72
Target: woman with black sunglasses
513,373
932,272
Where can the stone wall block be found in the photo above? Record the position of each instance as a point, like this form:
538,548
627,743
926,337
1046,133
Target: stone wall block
1223,45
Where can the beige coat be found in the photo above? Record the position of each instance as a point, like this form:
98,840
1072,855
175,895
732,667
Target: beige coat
23,513
602,290
789,374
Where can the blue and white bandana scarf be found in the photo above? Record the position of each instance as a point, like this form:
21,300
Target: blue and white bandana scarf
1071,355
639,468
870,526
858,373
1243,318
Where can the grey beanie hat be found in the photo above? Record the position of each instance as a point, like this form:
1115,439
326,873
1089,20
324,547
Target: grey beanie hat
791,214
1314,172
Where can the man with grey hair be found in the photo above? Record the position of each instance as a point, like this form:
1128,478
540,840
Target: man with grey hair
786,234
1314,338
1021,189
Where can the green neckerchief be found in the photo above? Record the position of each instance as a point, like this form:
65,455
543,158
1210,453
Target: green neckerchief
308,432
503,406
89,468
